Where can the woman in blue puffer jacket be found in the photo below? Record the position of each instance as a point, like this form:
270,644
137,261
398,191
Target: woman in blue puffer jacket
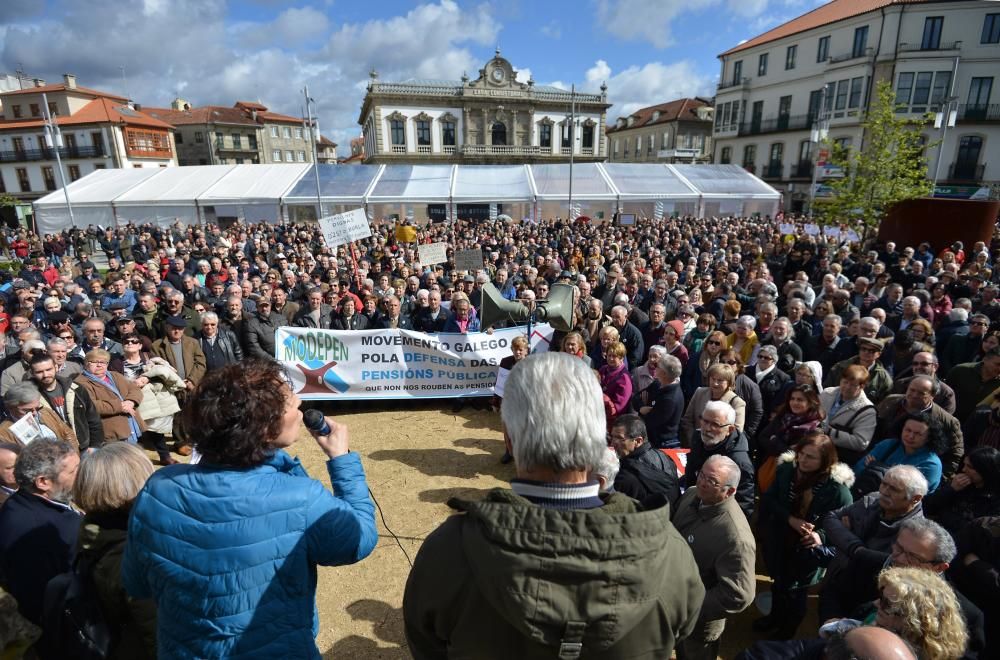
229,547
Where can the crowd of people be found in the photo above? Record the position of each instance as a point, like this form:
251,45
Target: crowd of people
724,391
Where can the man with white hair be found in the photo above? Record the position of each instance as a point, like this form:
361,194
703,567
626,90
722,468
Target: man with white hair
860,537
598,559
717,435
724,549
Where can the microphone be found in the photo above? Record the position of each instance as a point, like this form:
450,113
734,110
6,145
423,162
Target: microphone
315,422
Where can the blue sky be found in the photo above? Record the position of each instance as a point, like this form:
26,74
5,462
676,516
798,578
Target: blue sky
216,52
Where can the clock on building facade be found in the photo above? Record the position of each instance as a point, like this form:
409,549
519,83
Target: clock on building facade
492,119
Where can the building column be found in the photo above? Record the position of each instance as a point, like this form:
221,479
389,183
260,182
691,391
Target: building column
487,133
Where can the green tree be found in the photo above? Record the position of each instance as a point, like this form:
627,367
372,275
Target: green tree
889,168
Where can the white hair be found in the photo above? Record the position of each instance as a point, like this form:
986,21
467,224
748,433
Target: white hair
659,350
728,464
721,406
913,482
748,321
553,413
672,366
608,466
958,314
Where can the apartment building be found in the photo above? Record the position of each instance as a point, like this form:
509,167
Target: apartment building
938,55
678,131
245,133
99,130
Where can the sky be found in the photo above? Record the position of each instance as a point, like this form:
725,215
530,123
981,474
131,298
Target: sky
214,52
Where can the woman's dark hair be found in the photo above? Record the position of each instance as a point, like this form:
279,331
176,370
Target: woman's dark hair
827,455
811,395
986,461
728,355
937,437
237,410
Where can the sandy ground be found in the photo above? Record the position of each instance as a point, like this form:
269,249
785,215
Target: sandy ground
417,455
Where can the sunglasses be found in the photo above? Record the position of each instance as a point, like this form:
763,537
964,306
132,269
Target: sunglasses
713,342
131,341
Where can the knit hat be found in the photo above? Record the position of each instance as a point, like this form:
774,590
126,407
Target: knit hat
678,327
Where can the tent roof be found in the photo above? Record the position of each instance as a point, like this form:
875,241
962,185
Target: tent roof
413,183
254,184
99,187
337,184
723,180
207,185
174,186
641,181
589,182
492,183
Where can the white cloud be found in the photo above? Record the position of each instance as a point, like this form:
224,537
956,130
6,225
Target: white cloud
652,20
189,47
523,75
552,30
638,87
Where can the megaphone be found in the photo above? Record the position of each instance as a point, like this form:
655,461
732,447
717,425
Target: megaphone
556,310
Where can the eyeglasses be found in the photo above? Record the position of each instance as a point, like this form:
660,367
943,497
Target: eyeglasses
713,342
922,364
716,425
731,362
131,341
898,551
708,480
764,357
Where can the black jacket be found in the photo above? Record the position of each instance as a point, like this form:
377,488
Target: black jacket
356,322
423,322
647,472
735,447
226,342
772,387
37,542
258,334
663,421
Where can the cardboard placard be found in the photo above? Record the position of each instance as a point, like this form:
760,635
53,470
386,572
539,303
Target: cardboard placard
434,253
469,260
343,228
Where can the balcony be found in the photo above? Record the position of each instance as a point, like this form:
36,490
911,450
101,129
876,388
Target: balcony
802,170
772,170
729,84
680,153
500,150
777,124
239,148
966,172
27,155
979,112
918,48
845,57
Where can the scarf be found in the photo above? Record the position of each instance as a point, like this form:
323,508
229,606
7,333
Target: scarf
109,383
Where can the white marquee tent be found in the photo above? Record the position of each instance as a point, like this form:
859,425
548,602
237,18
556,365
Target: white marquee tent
272,192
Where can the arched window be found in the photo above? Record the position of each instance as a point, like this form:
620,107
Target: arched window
499,131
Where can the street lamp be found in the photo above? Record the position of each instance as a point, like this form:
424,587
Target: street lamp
314,136
820,129
54,141
572,144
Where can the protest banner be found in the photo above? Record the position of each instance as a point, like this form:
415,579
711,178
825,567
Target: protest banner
433,253
343,228
396,364
469,260
786,228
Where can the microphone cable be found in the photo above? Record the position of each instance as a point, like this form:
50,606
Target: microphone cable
389,529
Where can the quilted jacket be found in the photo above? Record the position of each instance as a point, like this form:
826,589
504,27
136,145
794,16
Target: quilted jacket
230,554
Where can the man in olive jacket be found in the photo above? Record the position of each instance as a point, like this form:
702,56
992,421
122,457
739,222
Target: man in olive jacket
720,537
550,568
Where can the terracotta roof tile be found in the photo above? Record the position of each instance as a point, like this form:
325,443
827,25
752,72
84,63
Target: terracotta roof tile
61,87
99,111
831,12
203,115
250,105
278,117
679,109
324,140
